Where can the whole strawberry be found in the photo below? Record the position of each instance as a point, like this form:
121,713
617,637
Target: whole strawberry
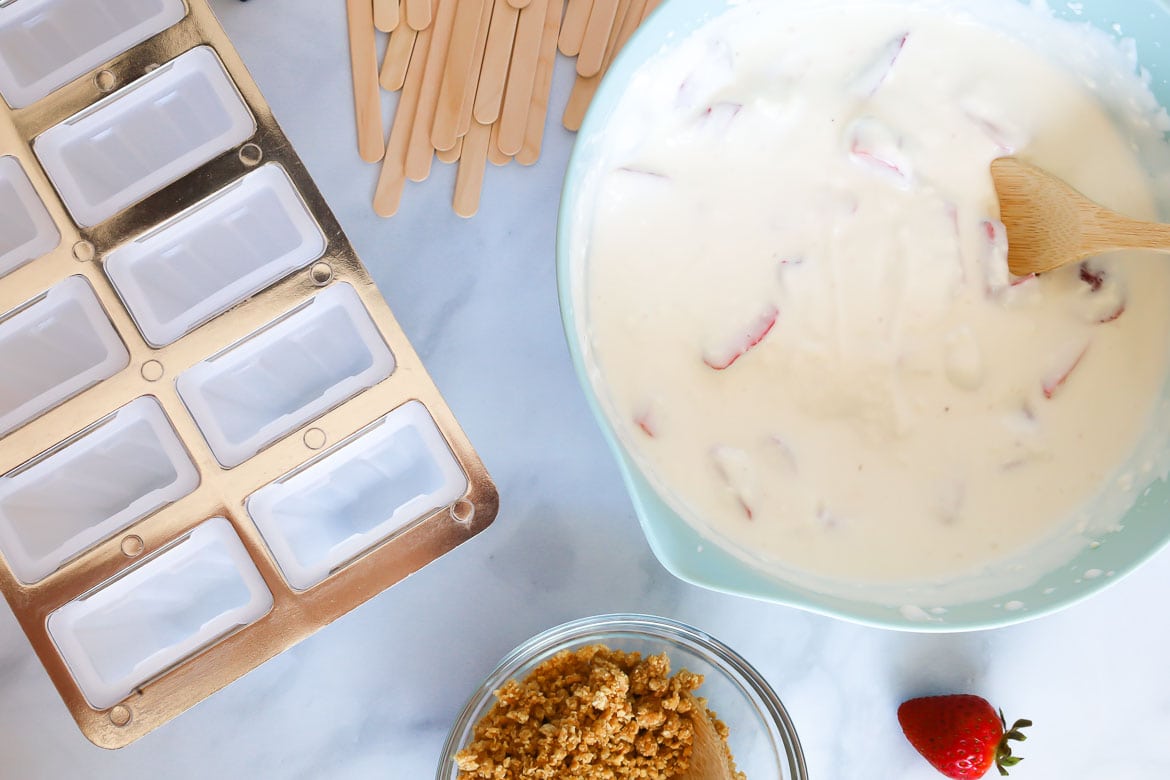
961,735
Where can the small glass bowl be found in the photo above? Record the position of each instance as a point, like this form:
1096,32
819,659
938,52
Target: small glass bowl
762,737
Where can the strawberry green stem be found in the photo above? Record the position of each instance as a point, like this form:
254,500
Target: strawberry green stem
1003,751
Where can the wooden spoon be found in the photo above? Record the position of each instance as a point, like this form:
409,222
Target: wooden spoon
1050,224
709,755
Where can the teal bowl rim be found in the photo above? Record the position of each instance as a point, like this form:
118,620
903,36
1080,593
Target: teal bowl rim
652,627
657,520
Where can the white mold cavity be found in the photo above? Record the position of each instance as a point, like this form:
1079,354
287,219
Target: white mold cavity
26,229
45,44
357,496
90,487
145,136
159,613
295,370
215,255
52,348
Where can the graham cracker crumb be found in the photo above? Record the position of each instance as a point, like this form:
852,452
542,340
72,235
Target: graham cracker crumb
590,713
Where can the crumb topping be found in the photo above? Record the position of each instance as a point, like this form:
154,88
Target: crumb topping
589,713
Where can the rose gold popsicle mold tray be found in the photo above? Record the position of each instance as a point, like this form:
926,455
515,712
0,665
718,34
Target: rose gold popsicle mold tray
214,437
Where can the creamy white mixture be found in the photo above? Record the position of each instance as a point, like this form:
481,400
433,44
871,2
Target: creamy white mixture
798,301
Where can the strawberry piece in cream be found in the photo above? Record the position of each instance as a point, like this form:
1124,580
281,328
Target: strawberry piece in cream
736,347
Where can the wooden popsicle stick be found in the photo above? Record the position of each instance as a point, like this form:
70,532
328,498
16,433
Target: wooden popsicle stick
418,13
573,29
538,111
495,156
450,155
522,77
602,21
519,5
578,102
584,88
468,107
420,154
363,57
388,194
473,161
386,15
651,7
498,54
626,29
397,58
456,73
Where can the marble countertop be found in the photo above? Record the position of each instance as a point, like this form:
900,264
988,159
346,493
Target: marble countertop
373,695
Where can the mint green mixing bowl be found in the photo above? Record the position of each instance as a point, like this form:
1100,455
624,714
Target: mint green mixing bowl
693,557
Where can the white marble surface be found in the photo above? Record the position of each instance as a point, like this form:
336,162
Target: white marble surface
373,695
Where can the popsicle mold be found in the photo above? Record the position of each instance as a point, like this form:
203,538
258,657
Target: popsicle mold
176,297
358,495
52,348
90,487
45,44
276,380
144,136
215,255
26,229
160,612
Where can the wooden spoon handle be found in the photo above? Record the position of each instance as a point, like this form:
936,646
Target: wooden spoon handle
709,756
1106,231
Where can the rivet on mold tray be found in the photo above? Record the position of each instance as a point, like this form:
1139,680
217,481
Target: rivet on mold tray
463,511
120,716
132,546
321,274
315,438
152,371
251,154
105,81
83,251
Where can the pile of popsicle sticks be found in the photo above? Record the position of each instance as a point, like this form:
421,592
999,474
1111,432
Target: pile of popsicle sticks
474,78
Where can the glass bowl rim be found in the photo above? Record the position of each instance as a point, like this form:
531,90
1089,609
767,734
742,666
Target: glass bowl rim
651,627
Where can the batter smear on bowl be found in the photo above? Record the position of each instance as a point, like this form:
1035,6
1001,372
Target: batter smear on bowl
799,310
